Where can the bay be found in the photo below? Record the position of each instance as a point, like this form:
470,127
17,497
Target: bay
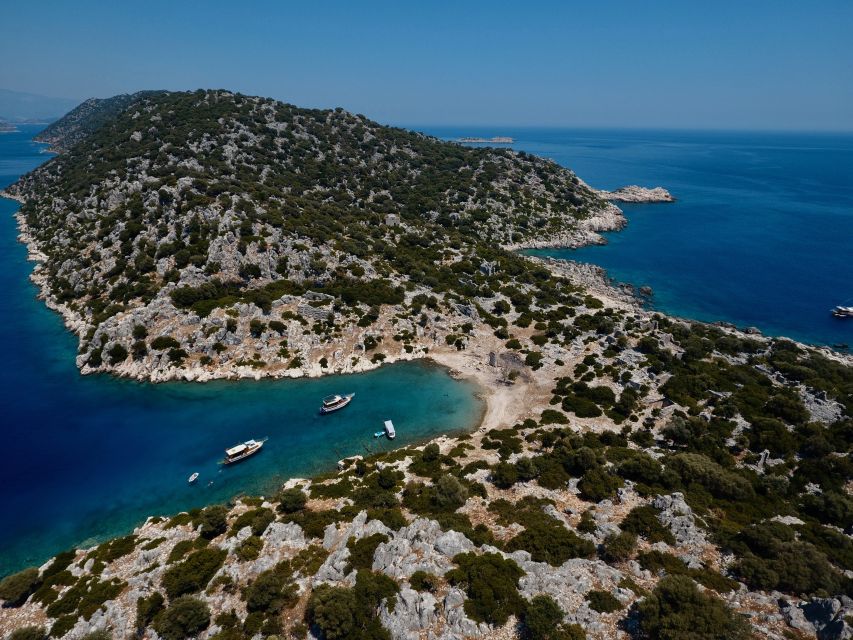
89,457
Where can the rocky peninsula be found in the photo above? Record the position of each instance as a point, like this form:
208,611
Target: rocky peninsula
635,476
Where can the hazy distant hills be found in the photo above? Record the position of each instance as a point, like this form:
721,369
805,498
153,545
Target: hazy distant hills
22,107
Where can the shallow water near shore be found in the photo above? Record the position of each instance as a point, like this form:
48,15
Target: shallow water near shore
761,233
86,458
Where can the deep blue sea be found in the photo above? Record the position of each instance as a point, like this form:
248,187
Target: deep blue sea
86,458
761,234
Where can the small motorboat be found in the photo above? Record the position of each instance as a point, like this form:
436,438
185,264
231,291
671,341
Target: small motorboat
193,477
335,402
242,451
843,312
388,432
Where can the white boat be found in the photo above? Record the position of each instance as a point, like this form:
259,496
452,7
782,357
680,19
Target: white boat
843,312
242,451
193,477
388,431
335,402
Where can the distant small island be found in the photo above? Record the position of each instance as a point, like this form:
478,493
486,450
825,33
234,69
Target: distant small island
7,127
494,140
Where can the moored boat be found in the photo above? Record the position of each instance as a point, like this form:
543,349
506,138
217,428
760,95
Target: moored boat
242,451
335,402
387,431
843,312
193,477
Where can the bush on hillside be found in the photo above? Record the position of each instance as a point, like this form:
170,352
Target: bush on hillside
676,610
291,500
491,584
194,573
269,592
16,588
28,633
185,617
643,521
543,620
340,613
213,521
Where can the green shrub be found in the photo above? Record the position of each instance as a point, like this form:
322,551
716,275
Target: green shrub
213,521
361,551
60,563
643,521
676,610
291,500
250,548
333,611
431,452
619,547
194,573
256,519
491,583
598,484
549,541
63,625
351,613
117,354
450,494
16,588
161,343
185,617
114,549
86,596
504,475
543,620
269,592
549,416
720,482
147,609
28,633
423,581
533,360
603,601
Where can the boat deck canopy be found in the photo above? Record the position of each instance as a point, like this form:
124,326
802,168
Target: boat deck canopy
331,399
389,428
233,451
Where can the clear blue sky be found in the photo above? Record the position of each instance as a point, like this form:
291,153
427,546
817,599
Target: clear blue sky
778,64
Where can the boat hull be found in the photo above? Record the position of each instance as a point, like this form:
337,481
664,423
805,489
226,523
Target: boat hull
344,403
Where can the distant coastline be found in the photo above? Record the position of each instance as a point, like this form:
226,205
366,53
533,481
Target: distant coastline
493,140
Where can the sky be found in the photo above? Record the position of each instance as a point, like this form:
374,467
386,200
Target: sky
746,64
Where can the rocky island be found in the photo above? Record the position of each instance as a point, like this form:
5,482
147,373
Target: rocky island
635,476
636,194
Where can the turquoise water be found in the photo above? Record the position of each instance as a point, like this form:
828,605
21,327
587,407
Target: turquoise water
761,234
90,457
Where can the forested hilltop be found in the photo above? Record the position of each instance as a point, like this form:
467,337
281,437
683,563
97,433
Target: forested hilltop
184,216
635,476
